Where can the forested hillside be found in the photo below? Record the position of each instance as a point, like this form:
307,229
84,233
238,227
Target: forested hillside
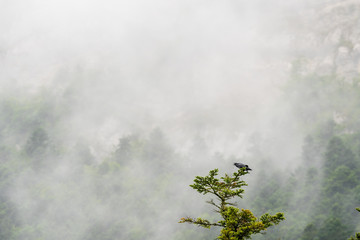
102,129
320,196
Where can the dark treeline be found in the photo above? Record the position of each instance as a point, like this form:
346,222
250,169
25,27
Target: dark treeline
320,195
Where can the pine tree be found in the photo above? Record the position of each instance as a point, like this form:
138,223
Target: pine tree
236,224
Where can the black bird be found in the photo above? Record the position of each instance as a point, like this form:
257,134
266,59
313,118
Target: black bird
241,165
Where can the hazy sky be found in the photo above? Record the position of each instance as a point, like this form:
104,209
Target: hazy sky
203,67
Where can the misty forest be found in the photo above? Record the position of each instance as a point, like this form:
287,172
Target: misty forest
123,120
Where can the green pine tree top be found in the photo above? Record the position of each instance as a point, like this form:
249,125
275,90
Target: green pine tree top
237,224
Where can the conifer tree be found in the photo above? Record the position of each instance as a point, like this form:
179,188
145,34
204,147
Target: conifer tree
236,224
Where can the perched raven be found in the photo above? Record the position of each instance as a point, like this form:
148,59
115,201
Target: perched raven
241,165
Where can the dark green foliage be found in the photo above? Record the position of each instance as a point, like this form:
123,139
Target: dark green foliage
38,148
273,190
334,228
37,143
338,154
236,224
311,152
319,197
342,180
157,150
128,149
310,232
